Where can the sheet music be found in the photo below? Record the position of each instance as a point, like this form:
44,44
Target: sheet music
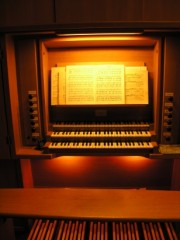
136,85
99,84
95,84
54,86
80,85
58,85
109,83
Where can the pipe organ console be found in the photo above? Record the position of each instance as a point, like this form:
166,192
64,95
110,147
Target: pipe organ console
95,110
93,95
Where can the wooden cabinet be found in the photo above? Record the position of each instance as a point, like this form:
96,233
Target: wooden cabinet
95,11
50,12
25,12
44,12
161,10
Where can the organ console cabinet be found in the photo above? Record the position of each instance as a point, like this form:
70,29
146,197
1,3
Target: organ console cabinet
144,124
95,111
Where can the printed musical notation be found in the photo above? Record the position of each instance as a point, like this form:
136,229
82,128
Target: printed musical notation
99,84
136,85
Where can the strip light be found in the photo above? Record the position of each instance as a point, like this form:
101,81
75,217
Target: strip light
98,34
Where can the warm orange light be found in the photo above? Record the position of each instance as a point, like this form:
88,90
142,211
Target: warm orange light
130,39
69,161
78,38
131,162
136,159
98,36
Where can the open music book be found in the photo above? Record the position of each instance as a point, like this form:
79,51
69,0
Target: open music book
99,84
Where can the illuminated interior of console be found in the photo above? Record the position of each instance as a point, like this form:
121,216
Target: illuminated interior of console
92,72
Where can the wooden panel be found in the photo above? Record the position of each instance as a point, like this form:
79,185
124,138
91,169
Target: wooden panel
91,203
26,172
11,86
10,175
24,12
92,11
176,175
11,91
161,10
103,172
4,147
171,83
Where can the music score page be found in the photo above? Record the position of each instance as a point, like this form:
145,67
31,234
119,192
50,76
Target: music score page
99,84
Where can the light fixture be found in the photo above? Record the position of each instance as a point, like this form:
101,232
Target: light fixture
98,34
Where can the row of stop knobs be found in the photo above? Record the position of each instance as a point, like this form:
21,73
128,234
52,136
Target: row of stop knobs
168,117
33,115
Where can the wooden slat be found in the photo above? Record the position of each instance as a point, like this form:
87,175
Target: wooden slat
94,231
169,231
125,231
106,231
49,231
160,231
114,231
173,231
136,231
33,229
45,229
102,232
68,230
76,230
152,231
132,231
41,231
156,232
79,232
129,231
72,231
144,231
64,231
148,231
98,230
117,231
53,229
91,231
83,230
121,230
36,232
60,230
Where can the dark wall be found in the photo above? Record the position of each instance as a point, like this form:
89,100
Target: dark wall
10,175
103,172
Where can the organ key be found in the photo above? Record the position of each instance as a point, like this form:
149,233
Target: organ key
102,125
100,145
55,136
91,137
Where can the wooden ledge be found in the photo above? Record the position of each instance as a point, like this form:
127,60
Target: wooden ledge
82,203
